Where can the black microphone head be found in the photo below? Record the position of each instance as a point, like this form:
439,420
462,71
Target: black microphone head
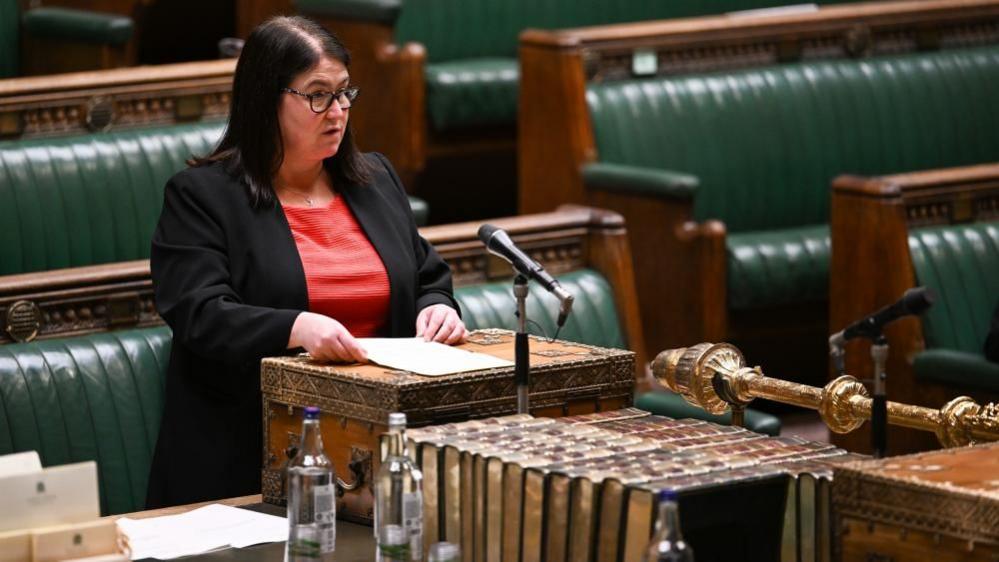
486,232
917,299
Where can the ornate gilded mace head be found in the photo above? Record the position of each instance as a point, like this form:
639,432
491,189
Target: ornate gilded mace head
691,372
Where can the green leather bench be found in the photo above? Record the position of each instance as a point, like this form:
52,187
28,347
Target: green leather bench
756,149
961,264
594,321
97,397
59,25
93,199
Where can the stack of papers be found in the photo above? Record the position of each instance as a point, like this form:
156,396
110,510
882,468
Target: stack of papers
201,530
427,358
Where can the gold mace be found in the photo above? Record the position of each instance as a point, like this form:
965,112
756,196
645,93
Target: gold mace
715,377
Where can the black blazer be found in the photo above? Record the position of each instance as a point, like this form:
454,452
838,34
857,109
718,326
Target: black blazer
229,281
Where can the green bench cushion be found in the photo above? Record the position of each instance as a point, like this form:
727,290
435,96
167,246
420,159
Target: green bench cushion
674,406
92,199
765,143
593,321
10,38
97,397
961,264
84,200
964,370
472,92
778,267
78,25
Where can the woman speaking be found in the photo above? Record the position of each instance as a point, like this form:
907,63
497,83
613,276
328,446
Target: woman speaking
284,237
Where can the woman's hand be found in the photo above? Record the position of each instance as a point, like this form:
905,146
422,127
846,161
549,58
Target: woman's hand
325,339
441,323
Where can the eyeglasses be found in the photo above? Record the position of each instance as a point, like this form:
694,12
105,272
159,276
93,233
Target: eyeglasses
319,102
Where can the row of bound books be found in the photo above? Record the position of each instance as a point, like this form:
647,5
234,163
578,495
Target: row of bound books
583,488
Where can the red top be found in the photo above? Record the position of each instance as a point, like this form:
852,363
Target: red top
344,274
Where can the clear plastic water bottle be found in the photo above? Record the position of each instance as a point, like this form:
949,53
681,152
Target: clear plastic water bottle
398,500
311,497
668,545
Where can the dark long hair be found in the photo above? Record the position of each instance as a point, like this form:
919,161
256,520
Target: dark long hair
276,52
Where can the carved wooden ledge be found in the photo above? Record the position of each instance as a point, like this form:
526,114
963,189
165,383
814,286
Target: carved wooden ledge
75,301
935,197
767,37
97,101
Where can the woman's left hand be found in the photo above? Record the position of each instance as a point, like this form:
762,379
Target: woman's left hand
440,323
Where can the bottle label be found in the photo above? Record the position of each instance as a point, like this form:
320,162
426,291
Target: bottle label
412,519
325,516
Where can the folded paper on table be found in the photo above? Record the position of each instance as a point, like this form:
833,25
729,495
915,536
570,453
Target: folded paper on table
36,497
20,463
427,358
201,530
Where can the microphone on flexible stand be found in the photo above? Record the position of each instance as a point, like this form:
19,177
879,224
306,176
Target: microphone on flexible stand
498,242
915,301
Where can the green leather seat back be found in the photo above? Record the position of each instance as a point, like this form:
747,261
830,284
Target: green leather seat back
593,321
97,397
767,142
778,267
472,92
84,200
10,38
961,264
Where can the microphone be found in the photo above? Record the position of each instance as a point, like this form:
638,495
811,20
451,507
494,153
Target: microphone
915,301
498,242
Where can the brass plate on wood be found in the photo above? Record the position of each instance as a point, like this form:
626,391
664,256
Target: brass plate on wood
189,108
11,123
24,319
100,113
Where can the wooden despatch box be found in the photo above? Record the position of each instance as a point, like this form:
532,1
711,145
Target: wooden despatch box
355,401
939,505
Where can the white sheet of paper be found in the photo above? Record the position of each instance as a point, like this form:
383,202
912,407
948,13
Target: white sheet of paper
52,496
427,358
201,530
20,463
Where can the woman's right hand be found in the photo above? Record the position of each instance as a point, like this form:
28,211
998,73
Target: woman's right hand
325,339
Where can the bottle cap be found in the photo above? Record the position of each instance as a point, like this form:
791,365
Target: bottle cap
393,535
668,495
311,413
397,418
443,552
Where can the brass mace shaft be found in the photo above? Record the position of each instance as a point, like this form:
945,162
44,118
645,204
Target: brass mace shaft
715,377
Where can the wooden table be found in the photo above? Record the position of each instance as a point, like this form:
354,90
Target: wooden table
354,543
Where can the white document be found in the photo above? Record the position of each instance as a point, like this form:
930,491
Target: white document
427,358
201,530
20,463
50,496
